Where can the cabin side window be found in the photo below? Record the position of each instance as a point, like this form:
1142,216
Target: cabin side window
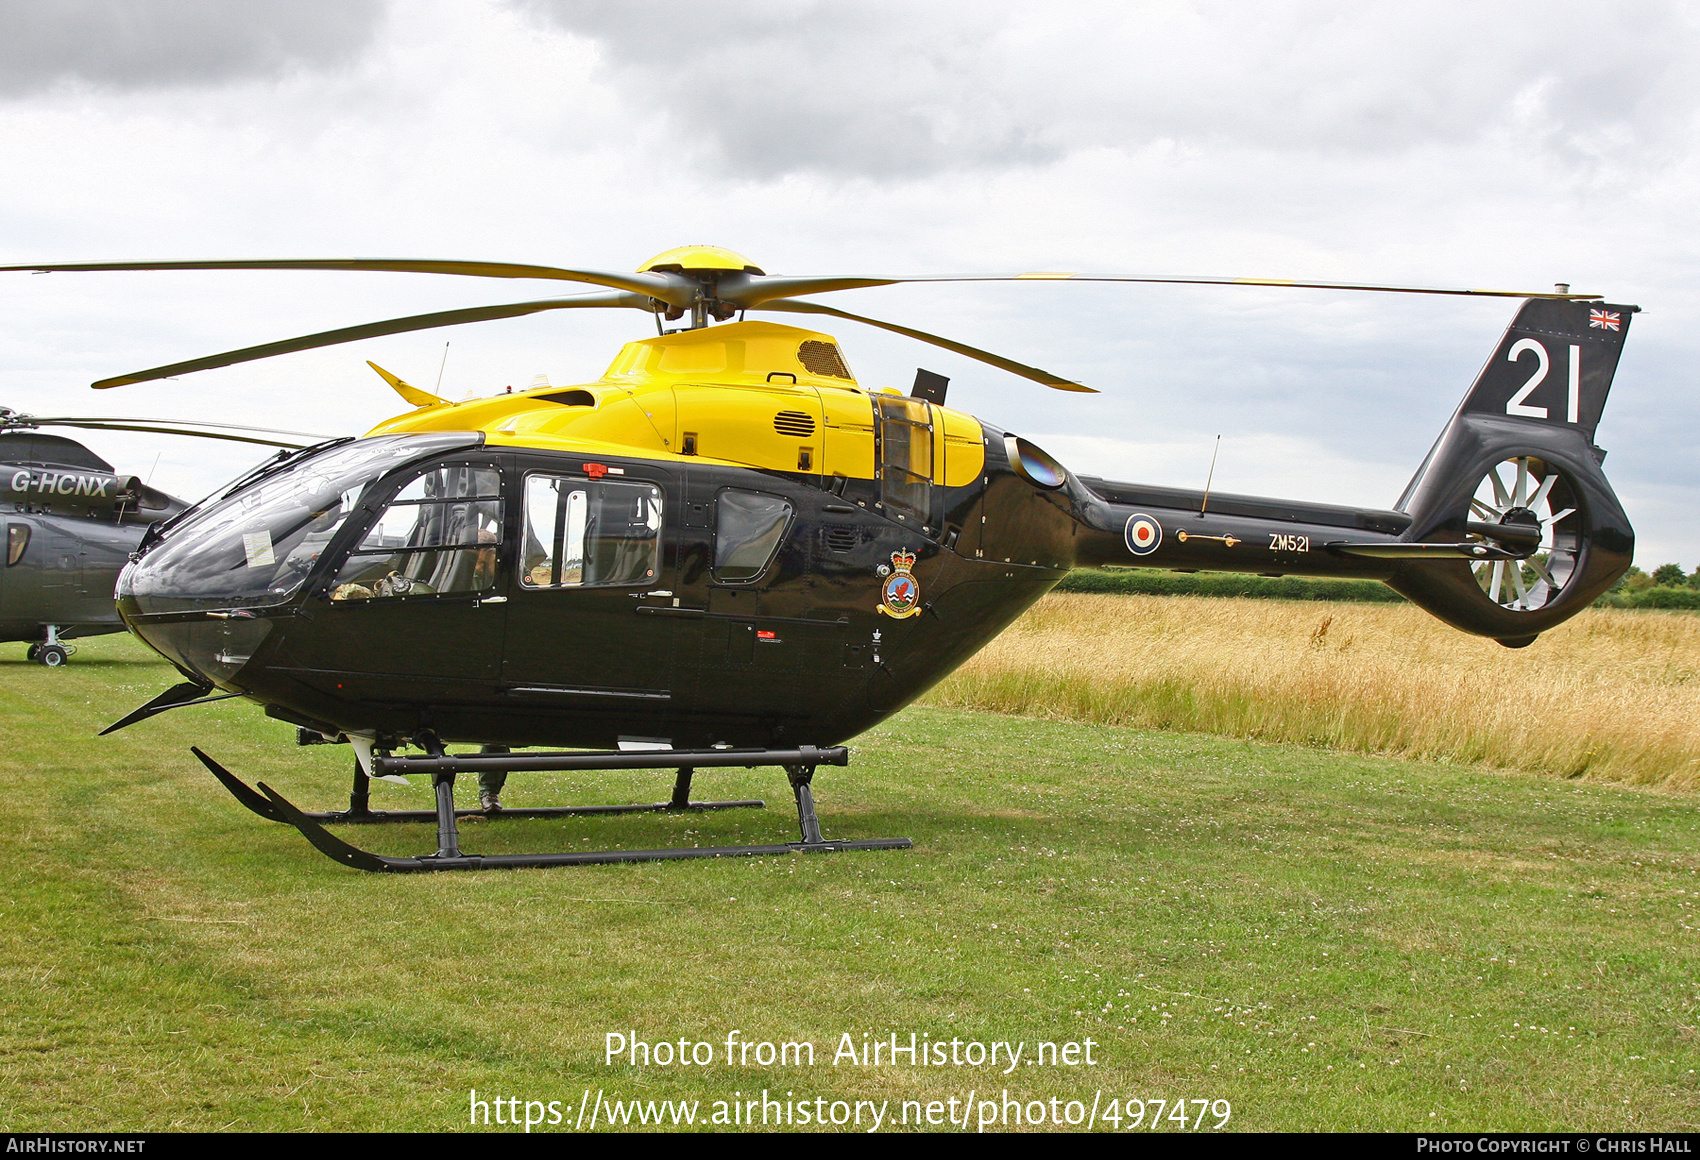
17,539
582,533
748,529
905,434
440,535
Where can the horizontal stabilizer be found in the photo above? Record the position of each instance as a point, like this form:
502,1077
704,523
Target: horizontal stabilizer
1471,550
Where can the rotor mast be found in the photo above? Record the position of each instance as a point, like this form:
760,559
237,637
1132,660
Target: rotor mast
705,265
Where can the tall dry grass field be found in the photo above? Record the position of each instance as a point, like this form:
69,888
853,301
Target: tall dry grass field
1612,695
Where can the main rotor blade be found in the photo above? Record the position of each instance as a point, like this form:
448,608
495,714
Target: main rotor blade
749,291
1303,284
670,288
766,289
785,305
378,329
743,290
264,436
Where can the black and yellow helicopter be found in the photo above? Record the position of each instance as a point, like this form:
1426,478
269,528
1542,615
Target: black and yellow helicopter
72,521
728,552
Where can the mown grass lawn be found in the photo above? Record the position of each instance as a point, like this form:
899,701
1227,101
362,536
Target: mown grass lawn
1327,941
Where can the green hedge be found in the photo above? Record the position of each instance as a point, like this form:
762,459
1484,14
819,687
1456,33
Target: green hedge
1156,582
1657,597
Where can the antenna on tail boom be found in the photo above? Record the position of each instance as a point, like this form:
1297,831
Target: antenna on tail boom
1209,479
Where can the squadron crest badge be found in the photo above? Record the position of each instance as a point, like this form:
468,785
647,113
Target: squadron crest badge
901,595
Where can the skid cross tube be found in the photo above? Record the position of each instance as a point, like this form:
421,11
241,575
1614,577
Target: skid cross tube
799,765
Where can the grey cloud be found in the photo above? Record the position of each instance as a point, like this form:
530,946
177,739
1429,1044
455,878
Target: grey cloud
883,89
157,44
846,89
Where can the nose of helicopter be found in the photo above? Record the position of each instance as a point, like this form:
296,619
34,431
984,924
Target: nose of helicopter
201,596
213,652
206,593
209,646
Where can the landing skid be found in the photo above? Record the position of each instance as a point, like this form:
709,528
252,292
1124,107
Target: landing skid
360,812
799,766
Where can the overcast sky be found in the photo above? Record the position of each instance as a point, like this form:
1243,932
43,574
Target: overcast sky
1467,145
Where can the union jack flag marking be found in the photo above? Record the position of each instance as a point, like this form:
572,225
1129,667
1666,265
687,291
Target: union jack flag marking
1605,319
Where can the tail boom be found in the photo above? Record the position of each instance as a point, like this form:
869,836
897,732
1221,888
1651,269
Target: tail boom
1508,528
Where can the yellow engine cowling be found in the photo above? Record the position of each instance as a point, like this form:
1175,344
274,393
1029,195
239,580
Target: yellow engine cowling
754,394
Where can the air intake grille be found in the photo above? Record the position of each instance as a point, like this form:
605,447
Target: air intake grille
822,358
839,538
794,423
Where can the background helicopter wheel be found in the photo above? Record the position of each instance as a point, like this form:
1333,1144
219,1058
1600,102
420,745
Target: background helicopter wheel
33,652
53,655
1531,493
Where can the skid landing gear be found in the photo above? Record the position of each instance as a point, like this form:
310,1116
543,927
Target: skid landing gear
799,765
360,811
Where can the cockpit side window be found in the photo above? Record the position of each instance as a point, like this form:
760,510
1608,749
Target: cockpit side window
582,533
439,535
17,540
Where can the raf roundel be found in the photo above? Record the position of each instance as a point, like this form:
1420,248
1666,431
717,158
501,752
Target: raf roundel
1143,534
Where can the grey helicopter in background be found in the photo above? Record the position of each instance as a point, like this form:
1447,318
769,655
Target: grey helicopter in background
72,522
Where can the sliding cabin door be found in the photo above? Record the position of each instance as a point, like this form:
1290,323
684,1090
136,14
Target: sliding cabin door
592,573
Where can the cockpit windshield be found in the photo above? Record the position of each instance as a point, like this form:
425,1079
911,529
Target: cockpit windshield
256,546
251,475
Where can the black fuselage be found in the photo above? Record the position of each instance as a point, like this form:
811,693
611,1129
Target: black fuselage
803,653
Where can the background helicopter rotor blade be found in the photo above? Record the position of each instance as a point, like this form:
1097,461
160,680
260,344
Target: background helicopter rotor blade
757,290
377,329
669,287
264,436
788,306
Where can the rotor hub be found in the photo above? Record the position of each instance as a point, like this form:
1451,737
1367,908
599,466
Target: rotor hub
705,265
694,260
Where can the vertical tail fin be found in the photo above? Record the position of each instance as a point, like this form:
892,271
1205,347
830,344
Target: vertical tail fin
1519,455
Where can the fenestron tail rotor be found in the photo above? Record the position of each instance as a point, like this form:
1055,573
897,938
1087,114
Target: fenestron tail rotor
708,282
